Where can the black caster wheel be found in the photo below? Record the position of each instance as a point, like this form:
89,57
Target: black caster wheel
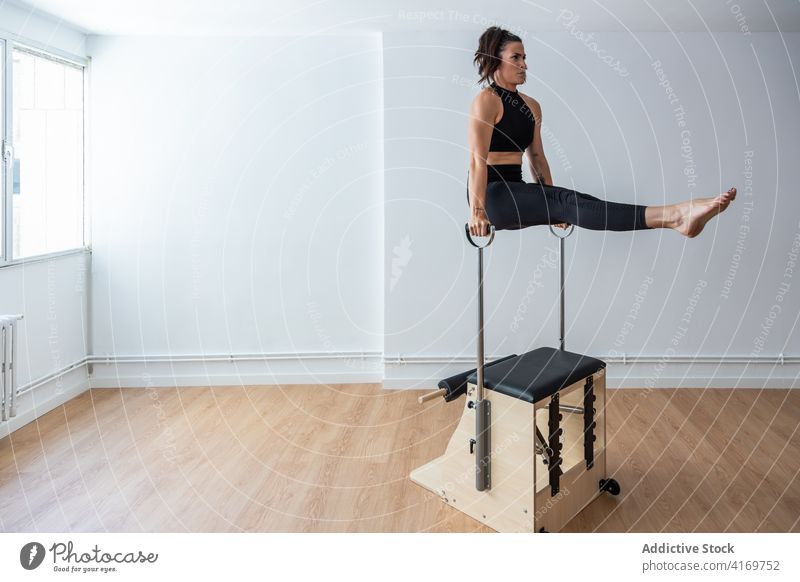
610,485
542,530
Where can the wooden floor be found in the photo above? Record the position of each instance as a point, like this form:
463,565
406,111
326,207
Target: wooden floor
337,458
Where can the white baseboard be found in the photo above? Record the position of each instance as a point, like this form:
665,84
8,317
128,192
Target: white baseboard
633,382
424,373
236,369
421,373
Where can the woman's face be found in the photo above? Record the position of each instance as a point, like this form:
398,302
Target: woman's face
512,66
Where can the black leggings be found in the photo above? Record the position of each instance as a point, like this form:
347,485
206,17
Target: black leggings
511,205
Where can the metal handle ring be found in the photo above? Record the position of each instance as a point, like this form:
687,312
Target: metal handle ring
571,228
472,242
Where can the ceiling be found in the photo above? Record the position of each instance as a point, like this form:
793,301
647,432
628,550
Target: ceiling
257,17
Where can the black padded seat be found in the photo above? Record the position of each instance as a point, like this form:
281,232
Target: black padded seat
537,374
455,386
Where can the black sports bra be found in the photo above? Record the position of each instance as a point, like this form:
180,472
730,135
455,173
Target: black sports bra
514,131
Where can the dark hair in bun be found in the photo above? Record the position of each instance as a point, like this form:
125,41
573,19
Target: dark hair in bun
490,45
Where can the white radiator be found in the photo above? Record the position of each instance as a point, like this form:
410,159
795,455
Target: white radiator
9,336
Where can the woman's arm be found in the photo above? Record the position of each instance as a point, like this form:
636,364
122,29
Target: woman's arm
540,169
479,134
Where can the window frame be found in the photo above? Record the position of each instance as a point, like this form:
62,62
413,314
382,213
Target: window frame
6,144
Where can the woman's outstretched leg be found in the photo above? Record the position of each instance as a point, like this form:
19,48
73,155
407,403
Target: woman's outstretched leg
514,205
688,218
587,211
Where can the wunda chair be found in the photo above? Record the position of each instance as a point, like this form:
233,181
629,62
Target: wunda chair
529,451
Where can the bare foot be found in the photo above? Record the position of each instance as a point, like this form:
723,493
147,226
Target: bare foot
694,214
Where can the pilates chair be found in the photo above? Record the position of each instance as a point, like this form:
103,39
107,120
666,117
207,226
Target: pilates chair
529,451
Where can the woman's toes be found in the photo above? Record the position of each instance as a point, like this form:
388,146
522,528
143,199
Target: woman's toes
727,197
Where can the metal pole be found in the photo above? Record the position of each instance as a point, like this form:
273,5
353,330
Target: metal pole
479,395
561,261
561,277
483,469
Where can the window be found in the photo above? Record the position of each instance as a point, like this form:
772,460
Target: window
44,154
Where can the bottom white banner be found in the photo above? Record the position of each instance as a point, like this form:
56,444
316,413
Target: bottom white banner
401,557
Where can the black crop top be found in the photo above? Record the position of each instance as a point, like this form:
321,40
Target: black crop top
514,131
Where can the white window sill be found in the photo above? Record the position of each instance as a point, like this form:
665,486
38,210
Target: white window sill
44,257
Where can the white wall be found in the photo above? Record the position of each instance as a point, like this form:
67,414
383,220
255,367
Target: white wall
237,209
615,135
52,294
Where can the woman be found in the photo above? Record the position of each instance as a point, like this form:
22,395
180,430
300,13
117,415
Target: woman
504,123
